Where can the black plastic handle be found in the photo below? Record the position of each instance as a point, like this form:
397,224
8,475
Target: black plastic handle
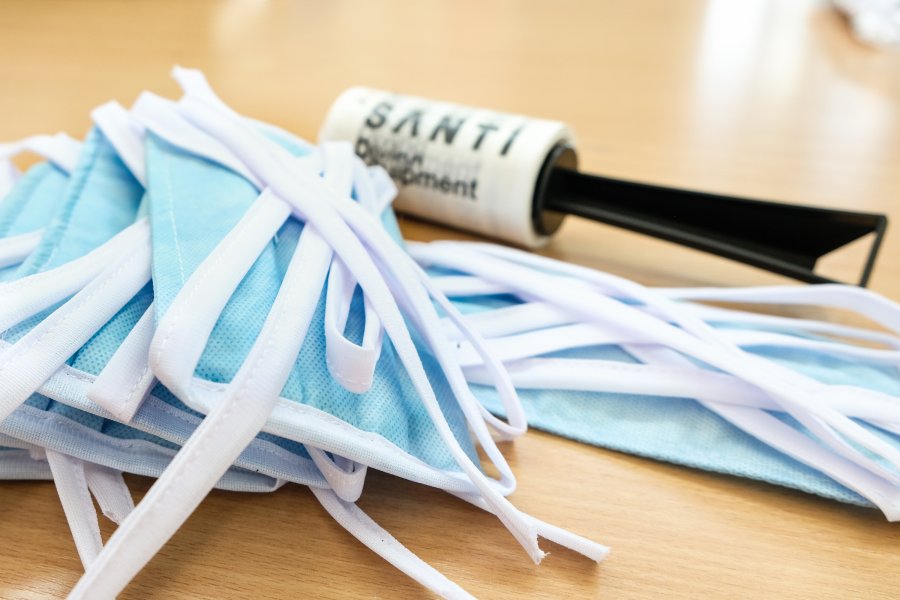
782,238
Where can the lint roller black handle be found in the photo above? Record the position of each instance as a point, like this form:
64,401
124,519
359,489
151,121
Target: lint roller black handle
515,178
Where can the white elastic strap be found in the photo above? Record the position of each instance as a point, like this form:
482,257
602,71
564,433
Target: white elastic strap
345,480
177,350
59,149
534,315
110,490
681,314
71,484
159,116
369,193
383,186
835,430
511,320
578,277
716,314
592,375
496,374
582,335
855,299
224,433
126,136
367,531
352,365
263,157
28,296
594,307
587,548
29,362
746,338
126,380
826,424
460,286
16,248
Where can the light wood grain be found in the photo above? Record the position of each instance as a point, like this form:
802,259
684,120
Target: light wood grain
764,99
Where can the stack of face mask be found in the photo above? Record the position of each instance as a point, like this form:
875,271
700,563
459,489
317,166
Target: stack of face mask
195,296
198,297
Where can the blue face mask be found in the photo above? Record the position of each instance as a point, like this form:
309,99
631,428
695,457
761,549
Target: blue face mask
87,451
86,447
774,399
260,324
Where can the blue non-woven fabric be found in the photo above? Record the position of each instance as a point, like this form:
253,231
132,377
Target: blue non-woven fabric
32,200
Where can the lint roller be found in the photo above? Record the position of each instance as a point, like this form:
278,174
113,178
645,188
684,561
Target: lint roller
515,178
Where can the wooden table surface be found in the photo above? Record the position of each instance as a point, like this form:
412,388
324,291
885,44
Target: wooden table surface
763,99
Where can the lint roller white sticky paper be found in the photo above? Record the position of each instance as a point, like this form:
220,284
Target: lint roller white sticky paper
470,168
514,178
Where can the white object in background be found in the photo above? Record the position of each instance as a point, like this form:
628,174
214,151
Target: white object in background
874,22
460,166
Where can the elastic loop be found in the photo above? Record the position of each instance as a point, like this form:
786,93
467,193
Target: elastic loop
59,149
28,363
126,380
352,365
69,477
347,482
125,134
16,248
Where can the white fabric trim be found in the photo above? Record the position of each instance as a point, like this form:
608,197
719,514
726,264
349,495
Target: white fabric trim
59,149
109,489
28,296
346,480
367,531
125,134
14,249
126,380
29,362
69,477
